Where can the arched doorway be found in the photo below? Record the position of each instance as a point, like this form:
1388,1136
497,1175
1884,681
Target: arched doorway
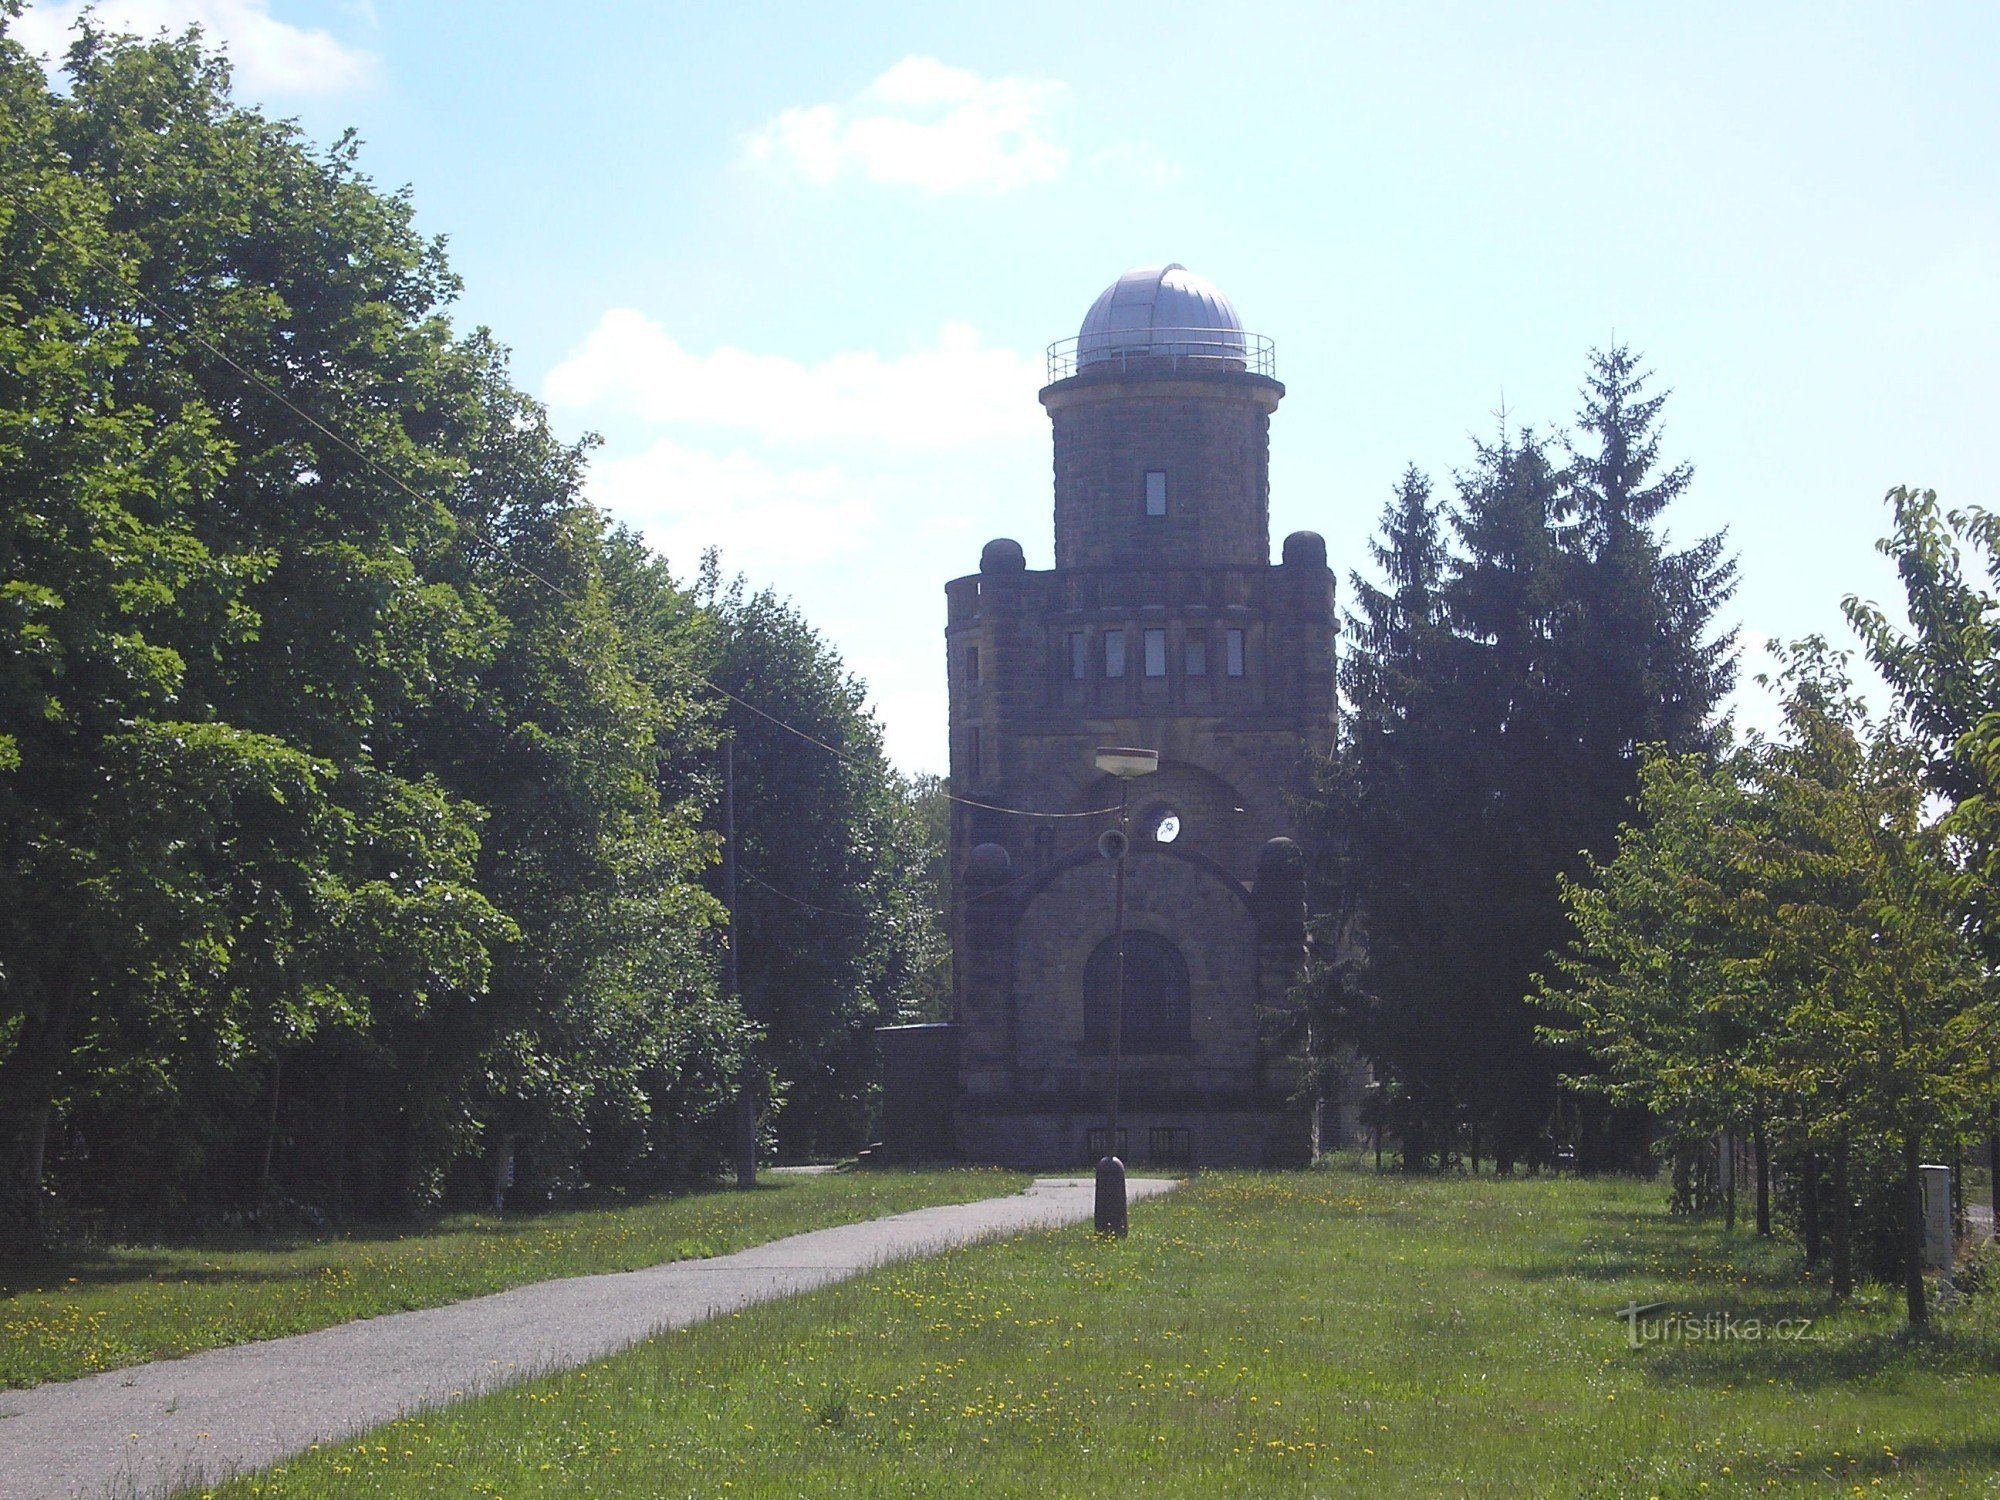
1156,993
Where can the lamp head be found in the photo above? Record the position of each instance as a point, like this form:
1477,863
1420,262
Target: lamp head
1125,761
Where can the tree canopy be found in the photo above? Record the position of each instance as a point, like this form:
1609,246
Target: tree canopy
357,777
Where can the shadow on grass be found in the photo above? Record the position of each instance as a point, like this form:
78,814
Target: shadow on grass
1695,1270
25,1272
1828,1357
1848,1467
1671,1254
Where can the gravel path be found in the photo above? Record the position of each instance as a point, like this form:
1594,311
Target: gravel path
157,1427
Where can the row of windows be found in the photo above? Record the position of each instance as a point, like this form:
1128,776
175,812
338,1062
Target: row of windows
1153,653
1166,1145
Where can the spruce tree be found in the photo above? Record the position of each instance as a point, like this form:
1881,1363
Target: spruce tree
1645,669
1501,680
1384,818
1508,608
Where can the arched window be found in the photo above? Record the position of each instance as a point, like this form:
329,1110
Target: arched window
1156,993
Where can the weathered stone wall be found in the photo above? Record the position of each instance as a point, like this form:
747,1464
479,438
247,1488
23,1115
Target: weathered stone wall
1174,895
1055,1132
1209,434
1023,733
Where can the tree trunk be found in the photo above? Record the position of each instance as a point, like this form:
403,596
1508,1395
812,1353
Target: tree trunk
732,978
1993,1180
1843,1262
1729,1180
271,1129
34,1166
1957,1196
1810,1197
1763,1177
339,1194
27,1093
746,1132
1913,1231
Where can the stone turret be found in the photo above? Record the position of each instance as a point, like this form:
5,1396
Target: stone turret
1162,414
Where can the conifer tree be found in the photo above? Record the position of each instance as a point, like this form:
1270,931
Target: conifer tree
1386,816
1500,683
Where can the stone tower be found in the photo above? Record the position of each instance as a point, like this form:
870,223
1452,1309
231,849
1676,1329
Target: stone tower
1163,625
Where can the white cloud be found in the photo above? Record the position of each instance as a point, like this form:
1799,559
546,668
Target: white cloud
853,485
930,399
1137,162
923,124
685,500
267,53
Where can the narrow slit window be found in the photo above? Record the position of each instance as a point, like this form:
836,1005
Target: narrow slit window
1156,492
972,753
1233,641
1079,656
972,665
1114,653
1197,656
1156,653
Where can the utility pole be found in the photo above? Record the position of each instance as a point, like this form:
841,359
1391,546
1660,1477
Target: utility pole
1118,973
746,1098
1124,762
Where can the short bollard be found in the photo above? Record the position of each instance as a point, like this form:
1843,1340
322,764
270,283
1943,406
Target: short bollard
1110,1217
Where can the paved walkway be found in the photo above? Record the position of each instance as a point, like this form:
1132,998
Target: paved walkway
156,1427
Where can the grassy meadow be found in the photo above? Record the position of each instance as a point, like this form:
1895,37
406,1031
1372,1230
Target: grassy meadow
77,1312
1330,1333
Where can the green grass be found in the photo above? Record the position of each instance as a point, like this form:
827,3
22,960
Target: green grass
74,1313
1331,1333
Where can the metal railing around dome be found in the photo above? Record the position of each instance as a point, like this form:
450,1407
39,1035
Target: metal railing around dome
1205,349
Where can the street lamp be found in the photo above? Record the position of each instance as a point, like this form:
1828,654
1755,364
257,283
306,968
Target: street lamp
1124,762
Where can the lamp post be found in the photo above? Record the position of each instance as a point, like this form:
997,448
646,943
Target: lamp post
1125,763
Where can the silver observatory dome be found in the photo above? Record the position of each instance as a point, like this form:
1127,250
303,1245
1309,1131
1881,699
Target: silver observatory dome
1161,314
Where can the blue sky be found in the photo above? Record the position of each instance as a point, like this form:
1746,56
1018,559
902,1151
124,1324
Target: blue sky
798,264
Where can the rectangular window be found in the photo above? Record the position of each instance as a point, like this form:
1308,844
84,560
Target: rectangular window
1197,656
1095,1140
1156,492
1114,653
972,665
1079,655
1233,660
1156,653
972,753
1169,1145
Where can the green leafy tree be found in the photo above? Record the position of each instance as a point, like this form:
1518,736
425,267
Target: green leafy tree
345,805
180,853
1887,1031
1945,671
1783,932
832,920
1649,982
924,850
